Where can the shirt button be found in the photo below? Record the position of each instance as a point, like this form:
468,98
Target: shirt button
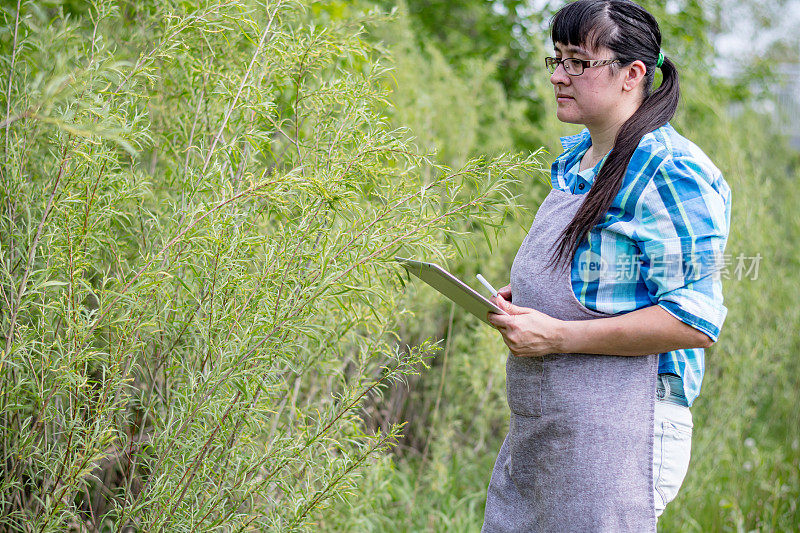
580,186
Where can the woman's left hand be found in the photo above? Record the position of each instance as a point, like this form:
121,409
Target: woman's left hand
527,332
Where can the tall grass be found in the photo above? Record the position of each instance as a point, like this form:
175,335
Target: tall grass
200,201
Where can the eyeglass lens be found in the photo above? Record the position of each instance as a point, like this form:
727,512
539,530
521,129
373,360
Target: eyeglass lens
572,66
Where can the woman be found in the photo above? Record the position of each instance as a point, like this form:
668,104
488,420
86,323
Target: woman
616,292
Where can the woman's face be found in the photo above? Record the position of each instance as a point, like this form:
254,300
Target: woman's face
594,97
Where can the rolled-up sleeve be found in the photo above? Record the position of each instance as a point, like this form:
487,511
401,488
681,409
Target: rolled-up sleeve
681,230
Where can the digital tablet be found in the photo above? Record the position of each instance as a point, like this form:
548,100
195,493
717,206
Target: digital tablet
452,287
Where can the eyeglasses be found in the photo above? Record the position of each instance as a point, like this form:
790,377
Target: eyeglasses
575,67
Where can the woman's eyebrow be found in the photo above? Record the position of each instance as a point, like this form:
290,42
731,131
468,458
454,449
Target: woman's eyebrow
573,49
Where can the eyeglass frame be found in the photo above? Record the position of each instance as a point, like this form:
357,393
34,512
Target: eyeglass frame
585,63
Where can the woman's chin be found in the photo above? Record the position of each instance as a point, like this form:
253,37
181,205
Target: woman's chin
565,116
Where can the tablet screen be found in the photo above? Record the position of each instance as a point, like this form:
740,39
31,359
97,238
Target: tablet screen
451,287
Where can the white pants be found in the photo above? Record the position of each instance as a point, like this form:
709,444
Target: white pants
671,451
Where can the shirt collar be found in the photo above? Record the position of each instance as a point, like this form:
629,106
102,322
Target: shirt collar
570,141
572,144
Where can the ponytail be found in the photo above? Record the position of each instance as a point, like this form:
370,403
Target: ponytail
656,109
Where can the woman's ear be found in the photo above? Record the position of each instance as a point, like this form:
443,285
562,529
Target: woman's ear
633,75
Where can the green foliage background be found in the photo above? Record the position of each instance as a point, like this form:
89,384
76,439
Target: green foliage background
202,325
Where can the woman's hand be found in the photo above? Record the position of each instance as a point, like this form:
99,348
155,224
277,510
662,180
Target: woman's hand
527,332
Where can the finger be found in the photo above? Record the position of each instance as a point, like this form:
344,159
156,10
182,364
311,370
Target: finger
498,301
497,320
505,292
499,317
512,309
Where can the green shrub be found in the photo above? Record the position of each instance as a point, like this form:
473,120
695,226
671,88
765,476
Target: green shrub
200,204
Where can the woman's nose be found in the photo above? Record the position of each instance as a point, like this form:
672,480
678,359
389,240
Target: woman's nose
560,76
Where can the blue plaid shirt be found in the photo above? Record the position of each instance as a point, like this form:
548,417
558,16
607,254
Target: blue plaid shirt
660,242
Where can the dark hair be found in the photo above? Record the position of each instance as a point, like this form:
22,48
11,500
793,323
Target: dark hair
631,33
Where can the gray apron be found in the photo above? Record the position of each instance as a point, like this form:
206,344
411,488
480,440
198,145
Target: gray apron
578,455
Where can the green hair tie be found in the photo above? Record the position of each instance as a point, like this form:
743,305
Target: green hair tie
660,60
